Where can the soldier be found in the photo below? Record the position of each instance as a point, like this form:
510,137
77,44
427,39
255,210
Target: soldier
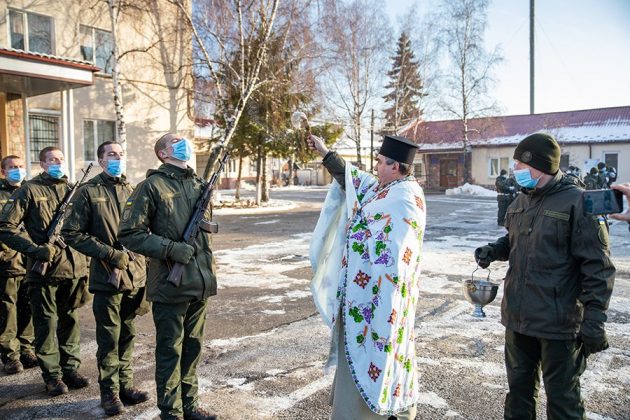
591,179
557,289
55,296
16,326
602,176
505,195
116,282
153,223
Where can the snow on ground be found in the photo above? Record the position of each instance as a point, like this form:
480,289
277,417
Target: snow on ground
469,189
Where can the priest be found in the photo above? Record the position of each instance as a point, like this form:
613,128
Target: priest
366,255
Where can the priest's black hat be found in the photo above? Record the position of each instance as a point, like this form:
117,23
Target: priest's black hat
398,148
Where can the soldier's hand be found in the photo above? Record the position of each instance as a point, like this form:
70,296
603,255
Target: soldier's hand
119,259
44,252
180,252
484,255
594,344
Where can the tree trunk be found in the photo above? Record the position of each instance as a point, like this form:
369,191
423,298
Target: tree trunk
121,128
264,196
291,169
258,175
237,194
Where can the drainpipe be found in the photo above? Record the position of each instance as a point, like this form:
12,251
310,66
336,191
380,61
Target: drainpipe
27,136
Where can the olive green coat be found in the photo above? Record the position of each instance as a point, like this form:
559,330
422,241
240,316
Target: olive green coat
92,229
11,262
560,277
34,204
156,215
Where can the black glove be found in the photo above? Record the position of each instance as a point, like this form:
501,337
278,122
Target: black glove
180,252
484,255
44,252
594,344
119,259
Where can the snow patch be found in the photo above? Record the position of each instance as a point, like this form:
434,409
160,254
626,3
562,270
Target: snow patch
469,189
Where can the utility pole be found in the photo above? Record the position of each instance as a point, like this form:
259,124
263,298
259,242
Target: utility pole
372,142
531,57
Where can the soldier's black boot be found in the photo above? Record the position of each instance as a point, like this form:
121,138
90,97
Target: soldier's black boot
29,360
133,396
199,414
111,403
56,387
75,380
11,367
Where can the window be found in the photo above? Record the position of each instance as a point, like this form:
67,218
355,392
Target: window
31,32
564,162
418,170
612,159
96,132
495,165
97,46
44,131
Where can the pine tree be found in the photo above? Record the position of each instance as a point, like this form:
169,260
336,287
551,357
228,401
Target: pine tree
405,87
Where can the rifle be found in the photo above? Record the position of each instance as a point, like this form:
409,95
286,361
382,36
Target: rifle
116,274
197,222
41,267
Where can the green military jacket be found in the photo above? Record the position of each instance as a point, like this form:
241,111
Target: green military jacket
11,262
34,204
560,277
155,215
92,229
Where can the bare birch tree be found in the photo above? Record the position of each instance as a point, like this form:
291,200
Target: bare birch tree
469,74
223,29
358,37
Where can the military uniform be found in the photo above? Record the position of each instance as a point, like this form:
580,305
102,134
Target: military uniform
153,223
558,286
505,195
55,296
16,326
92,229
591,182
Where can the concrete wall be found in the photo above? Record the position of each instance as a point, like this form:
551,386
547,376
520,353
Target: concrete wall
155,73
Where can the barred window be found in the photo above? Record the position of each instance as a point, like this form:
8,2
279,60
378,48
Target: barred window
44,132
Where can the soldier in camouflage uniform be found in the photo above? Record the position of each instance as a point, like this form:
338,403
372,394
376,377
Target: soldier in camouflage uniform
56,296
153,223
591,180
16,326
116,282
557,288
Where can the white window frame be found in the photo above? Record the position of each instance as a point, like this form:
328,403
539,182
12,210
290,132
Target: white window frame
491,173
93,30
25,13
95,136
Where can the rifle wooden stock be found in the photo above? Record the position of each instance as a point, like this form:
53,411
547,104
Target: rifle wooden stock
175,276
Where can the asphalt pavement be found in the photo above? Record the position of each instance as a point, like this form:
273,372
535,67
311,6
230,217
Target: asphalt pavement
265,344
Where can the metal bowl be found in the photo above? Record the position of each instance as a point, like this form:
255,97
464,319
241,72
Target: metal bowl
479,293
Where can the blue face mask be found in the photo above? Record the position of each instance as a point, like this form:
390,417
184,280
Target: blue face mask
16,175
524,178
116,167
56,171
182,150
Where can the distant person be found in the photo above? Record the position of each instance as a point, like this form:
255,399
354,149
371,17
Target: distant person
602,177
366,286
505,194
16,322
591,180
557,288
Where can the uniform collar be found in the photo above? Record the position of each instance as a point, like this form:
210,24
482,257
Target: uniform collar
52,180
177,172
113,180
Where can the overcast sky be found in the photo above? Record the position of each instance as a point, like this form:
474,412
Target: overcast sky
582,52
